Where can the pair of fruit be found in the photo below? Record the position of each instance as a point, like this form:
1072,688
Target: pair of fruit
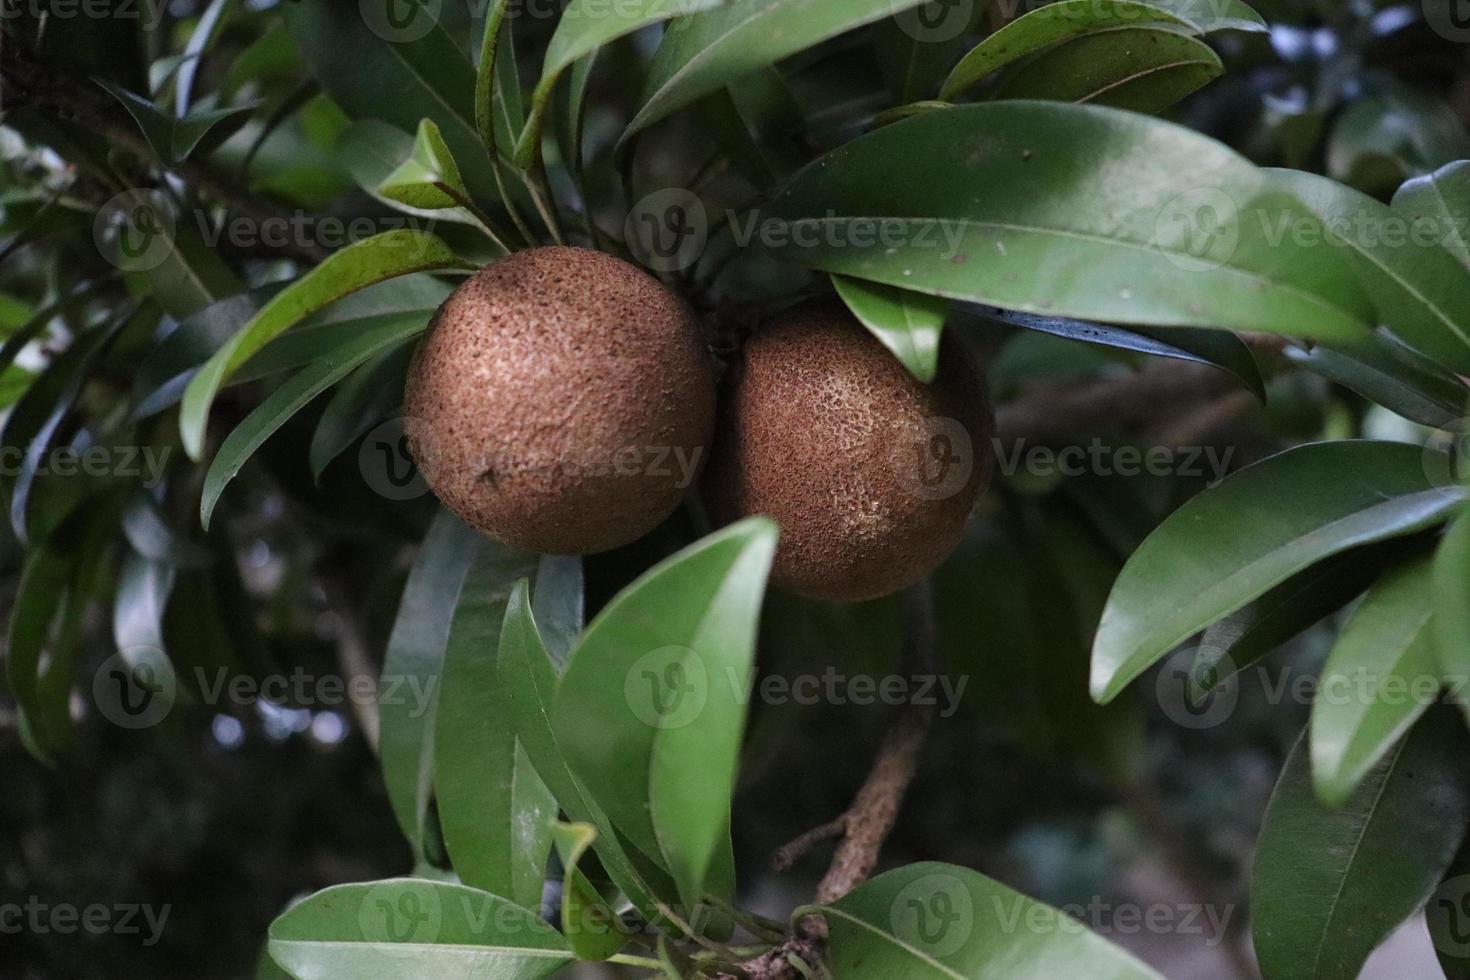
564,400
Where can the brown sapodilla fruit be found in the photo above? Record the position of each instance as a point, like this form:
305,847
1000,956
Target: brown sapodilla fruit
561,401
870,473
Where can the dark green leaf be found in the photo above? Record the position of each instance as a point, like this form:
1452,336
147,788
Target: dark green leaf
429,179
1421,293
592,928
412,670
560,603
495,811
907,323
1206,561
172,138
1329,885
1438,206
1066,210
651,708
1380,369
1452,605
1379,678
368,396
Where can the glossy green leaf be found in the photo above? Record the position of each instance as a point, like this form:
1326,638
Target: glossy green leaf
1206,561
414,929
1452,605
907,323
1438,207
1047,25
1066,210
372,260
429,179
651,708
585,26
367,397
429,77
370,151
533,683
278,407
706,51
1379,678
1329,885
408,690
1144,69
1421,293
1252,632
932,921
1382,370
172,138
495,811
591,927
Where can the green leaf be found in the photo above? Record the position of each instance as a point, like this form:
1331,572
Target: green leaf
38,598
408,691
495,811
365,398
429,179
1452,604
1438,205
372,260
592,928
560,603
1382,370
932,921
1251,532
585,26
1422,294
370,151
908,324
1379,678
706,51
913,60
1045,26
277,409
1144,69
143,588
1066,210
651,709
1329,885
414,929
1394,133
429,77
172,138
1249,634
524,658
1219,348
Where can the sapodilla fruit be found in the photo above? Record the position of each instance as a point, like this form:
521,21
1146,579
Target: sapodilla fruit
561,401
870,473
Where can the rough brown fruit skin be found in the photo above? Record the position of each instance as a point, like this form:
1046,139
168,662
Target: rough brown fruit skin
824,430
554,398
